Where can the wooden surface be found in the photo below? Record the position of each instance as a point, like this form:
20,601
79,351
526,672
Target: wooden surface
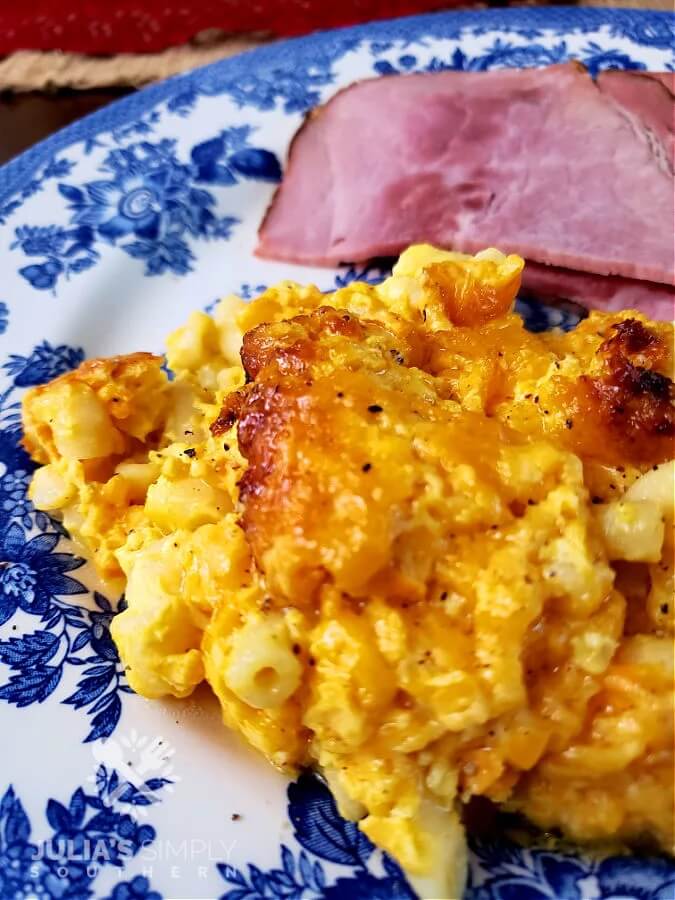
27,118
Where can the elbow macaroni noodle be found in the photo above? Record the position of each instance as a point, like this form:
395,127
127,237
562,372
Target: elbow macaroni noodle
262,670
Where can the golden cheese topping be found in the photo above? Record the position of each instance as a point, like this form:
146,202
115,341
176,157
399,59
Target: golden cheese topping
403,540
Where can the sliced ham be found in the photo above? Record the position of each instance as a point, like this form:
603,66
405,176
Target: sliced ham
539,162
647,104
667,79
598,291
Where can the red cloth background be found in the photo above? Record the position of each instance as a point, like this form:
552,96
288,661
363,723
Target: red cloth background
145,26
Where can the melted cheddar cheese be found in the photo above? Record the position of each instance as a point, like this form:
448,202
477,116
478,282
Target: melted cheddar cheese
403,539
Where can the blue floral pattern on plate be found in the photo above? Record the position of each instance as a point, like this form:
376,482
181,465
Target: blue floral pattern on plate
324,836
150,202
99,227
91,831
54,168
507,871
34,580
506,54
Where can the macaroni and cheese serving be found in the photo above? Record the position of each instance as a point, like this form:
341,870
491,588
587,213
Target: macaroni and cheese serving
405,541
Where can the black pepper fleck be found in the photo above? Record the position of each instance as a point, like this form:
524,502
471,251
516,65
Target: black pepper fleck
191,452
375,408
569,423
664,609
366,467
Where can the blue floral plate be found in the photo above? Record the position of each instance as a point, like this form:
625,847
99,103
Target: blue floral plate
111,232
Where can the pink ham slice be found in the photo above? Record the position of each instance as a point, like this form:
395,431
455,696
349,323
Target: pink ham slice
598,291
647,103
647,98
667,79
538,162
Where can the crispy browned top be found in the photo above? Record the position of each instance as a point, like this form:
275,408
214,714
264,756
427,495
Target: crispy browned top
603,390
319,384
329,427
631,397
292,347
112,376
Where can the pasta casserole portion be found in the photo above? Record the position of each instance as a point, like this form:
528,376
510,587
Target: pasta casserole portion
404,540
